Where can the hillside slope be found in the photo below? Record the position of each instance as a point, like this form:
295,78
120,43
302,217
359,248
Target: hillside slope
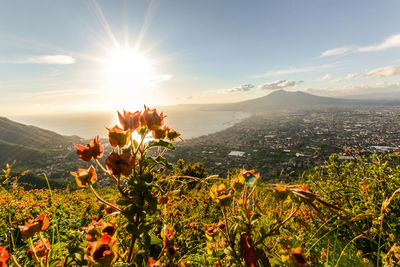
31,136
33,148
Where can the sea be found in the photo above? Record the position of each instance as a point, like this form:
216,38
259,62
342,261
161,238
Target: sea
191,123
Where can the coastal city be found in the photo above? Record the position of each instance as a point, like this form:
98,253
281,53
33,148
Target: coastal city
283,146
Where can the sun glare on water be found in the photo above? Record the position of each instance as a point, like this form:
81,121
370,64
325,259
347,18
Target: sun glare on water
128,71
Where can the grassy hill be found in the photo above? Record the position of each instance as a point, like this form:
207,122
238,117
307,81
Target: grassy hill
24,155
31,136
36,149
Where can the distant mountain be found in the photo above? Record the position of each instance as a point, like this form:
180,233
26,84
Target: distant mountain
284,100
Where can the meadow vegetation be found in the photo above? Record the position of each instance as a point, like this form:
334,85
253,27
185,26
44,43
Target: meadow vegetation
344,213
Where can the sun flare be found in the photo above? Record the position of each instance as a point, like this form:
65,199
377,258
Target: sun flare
128,71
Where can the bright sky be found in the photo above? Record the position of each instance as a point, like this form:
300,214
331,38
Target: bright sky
61,56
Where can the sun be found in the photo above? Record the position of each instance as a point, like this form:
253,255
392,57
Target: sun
128,71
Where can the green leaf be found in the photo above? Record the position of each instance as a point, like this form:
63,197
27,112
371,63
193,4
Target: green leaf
255,218
155,240
146,241
163,161
132,229
161,143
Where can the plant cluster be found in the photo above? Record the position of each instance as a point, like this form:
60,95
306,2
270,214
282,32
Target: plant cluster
345,213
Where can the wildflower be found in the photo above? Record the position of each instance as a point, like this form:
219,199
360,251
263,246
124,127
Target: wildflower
110,210
193,225
154,263
130,121
160,133
323,254
40,248
168,236
152,119
280,193
32,227
163,199
359,253
120,164
365,260
221,225
220,194
91,151
210,232
103,252
118,137
109,229
85,177
4,256
237,183
172,135
298,257
250,255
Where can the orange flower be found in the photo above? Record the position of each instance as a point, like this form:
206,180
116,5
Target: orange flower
104,253
32,227
152,119
237,183
168,235
40,248
250,255
3,256
120,164
154,263
160,133
110,210
91,151
211,232
220,194
163,199
221,225
85,177
130,121
172,135
117,136
298,257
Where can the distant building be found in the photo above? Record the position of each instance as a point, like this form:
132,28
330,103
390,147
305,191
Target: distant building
237,153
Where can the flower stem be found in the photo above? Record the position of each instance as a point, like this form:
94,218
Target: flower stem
231,243
34,252
15,261
103,201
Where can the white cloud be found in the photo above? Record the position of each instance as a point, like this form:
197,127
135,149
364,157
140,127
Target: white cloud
325,77
383,72
49,59
336,51
347,77
351,76
242,88
294,70
390,42
281,84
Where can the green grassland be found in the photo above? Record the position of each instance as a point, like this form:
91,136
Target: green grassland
339,221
